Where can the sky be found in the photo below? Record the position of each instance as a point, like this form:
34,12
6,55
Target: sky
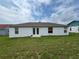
21,11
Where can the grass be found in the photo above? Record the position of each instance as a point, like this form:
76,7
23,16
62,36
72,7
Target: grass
51,47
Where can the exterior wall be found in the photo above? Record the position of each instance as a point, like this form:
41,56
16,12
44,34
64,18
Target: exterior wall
74,29
59,31
4,31
43,31
22,32
56,31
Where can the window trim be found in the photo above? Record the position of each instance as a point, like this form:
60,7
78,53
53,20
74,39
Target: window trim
16,30
65,29
50,31
78,28
33,31
70,29
37,30
2,29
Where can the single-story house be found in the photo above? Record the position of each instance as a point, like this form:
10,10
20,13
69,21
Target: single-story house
37,29
74,26
4,29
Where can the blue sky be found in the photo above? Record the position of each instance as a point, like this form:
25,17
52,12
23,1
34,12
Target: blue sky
19,11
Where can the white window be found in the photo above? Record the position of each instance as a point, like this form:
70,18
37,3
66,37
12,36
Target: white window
78,28
16,31
65,29
70,29
50,30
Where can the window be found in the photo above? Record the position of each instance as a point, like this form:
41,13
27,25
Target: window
16,31
78,28
2,29
50,30
37,30
65,29
33,30
70,29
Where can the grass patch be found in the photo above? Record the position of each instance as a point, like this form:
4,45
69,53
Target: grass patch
49,47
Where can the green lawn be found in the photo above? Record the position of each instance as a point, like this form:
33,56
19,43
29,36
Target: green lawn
51,47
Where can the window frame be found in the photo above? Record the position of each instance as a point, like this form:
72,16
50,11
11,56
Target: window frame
37,30
33,31
16,30
70,29
65,29
50,29
78,28
2,29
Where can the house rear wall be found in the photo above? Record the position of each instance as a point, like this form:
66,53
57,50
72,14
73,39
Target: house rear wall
43,31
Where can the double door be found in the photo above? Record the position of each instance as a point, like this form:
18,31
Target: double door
35,31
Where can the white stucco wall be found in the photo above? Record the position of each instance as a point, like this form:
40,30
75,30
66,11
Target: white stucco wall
59,31
43,31
74,29
56,31
22,32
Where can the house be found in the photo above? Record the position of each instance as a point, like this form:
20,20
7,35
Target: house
4,29
37,29
74,26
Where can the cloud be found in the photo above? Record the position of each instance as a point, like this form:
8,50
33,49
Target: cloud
16,15
45,1
65,12
59,11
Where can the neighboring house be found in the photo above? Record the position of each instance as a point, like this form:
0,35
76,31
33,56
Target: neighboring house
74,26
37,28
4,29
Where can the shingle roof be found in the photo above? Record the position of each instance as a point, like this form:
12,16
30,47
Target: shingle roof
37,24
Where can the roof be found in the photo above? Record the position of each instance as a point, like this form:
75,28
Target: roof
37,24
4,25
74,23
